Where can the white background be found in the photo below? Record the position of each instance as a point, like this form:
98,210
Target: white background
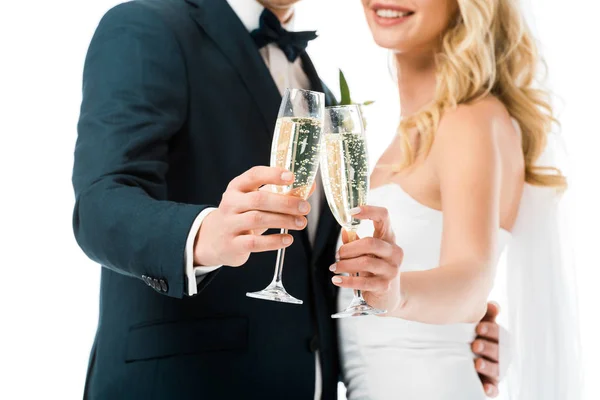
49,290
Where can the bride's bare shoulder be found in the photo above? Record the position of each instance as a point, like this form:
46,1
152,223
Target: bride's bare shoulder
484,124
486,114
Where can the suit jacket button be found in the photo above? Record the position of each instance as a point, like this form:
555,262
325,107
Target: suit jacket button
145,279
163,286
156,284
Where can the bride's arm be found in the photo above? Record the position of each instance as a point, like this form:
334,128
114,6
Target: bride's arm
467,161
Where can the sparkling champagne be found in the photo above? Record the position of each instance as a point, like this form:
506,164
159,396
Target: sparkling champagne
296,147
345,172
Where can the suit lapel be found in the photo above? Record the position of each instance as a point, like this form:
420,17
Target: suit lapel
311,73
221,24
326,224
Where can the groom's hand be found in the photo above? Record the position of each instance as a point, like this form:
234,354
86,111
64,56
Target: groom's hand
486,348
231,233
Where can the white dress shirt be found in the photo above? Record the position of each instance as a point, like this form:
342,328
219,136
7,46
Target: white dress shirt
286,75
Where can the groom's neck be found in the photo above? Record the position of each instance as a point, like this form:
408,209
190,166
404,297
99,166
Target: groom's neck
283,13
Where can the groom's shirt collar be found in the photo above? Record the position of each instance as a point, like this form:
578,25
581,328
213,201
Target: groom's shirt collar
249,11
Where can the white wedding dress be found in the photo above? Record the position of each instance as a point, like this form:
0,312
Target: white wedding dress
396,359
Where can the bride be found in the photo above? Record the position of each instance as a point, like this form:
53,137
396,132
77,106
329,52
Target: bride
459,183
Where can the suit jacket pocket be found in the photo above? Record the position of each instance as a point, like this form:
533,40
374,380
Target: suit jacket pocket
165,339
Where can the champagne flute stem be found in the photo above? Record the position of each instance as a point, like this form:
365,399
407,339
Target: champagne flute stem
352,236
277,277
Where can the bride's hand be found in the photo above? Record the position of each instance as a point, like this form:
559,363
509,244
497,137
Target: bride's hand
377,260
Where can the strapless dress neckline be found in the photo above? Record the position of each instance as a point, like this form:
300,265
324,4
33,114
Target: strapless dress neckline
407,196
397,359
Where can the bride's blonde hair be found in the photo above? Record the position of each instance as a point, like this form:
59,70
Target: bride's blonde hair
488,49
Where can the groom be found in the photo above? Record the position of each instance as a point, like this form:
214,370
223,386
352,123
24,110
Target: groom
179,103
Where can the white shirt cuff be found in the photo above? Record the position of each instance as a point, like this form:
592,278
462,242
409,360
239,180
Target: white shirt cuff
196,274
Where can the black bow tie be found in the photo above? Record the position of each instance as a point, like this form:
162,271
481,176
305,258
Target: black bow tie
270,31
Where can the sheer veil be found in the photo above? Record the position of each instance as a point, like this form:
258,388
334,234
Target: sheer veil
542,306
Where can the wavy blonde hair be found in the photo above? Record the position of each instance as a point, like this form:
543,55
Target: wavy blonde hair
488,50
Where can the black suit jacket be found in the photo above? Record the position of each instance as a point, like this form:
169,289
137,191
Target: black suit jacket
176,102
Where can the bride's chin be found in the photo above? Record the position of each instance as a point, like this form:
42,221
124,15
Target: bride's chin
390,41
392,44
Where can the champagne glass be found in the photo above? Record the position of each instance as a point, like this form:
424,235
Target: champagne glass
345,173
296,147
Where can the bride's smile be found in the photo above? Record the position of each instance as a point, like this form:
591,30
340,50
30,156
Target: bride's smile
388,15
404,26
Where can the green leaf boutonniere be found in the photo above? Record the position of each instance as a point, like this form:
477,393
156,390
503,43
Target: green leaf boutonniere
347,99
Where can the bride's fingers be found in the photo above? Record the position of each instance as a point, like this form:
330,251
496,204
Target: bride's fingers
368,245
375,266
379,248
380,218
371,284
376,214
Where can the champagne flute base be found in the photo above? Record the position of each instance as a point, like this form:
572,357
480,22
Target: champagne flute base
275,293
358,308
